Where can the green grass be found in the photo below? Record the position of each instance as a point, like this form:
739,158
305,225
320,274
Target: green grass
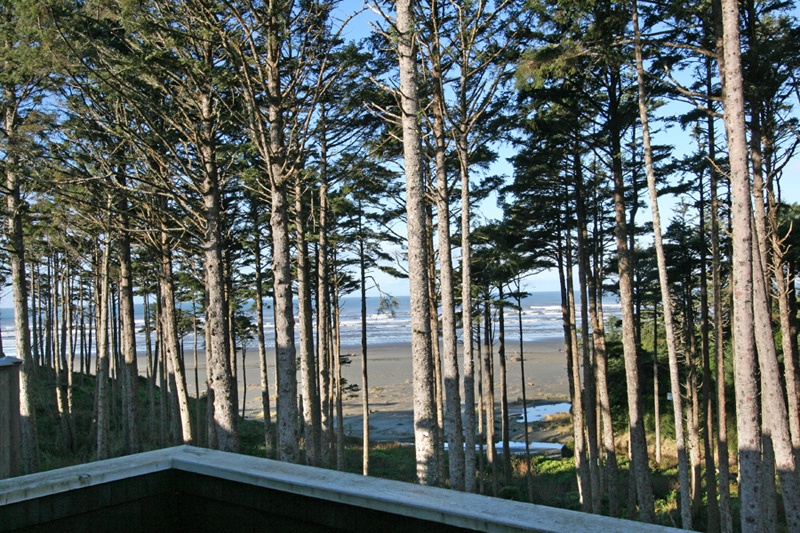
554,479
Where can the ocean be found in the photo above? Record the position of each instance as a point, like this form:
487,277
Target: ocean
541,319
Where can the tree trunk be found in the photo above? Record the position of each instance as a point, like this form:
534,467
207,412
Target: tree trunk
574,376
601,372
60,359
169,345
481,418
723,459
285,352
744,350
666,297
693,405
324,357
656,387
501,357
590,396
774,413
713,519
424,411
284,328
436,356
102,406
218,351
523,383
260,334
308,370
29,440
337,358
362,270
452,409
488,392
130,370
643,481
466,324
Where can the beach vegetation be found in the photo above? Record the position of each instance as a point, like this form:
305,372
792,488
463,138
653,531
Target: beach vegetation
236,168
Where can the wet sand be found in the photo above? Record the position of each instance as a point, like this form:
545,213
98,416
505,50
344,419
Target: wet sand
390,384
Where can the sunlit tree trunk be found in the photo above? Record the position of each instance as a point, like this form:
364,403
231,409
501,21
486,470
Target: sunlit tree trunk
308,371
436,356
641,471
424,405
774,414
470,426
362,270
666,297
29,439
590,396
574,374
488,393
744,349
170,349
723,460
601,372
285,351
452,396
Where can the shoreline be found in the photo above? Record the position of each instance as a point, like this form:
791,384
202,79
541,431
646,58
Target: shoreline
390,383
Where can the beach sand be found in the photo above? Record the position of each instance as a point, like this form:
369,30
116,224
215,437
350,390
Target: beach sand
390,386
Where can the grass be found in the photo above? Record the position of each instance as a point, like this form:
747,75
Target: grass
553,484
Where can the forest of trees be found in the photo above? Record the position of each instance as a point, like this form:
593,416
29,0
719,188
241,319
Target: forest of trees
219,160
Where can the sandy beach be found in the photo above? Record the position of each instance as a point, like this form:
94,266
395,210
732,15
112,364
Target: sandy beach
390,384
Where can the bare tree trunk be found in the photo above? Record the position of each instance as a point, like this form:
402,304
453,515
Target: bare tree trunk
324,356
424,413
590,396
260,334
130,370
466,320
501,357
102,382
656,388
218,350
713,519
29,440
774,413
693,407
488,393
308,370
574,376
169,345
452,409
285,352
481,414
60,359
601,364
337,358
726,522
785,282
643,481
198,414
362,269
436,356
528,464
666,297
744,350
284,328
